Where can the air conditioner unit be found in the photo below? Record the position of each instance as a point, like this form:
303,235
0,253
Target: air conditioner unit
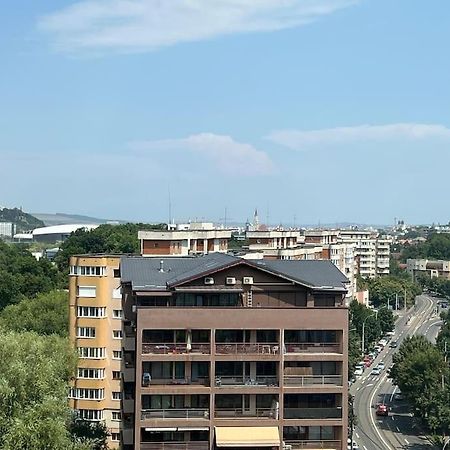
230,280
247,280
209,280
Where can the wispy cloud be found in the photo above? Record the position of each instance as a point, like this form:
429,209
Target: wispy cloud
145,25
226,155
298,139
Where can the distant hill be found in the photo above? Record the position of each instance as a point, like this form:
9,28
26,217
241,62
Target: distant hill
64,219
22,220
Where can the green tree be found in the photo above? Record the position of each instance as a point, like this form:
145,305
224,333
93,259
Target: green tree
46,314
95,433
34,375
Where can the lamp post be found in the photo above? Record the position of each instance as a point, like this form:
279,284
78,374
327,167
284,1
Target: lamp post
364,331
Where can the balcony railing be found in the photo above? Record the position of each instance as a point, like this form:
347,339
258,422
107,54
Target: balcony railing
313,347
313,380
183,413
313,413
226,381
247,348
239,413
176,381
173,349
199,445
297,445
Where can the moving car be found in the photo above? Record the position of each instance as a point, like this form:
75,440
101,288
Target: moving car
398,396
382,410
358,371
380,365
376,371
393,344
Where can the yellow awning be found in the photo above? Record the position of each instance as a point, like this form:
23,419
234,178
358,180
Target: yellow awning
247,437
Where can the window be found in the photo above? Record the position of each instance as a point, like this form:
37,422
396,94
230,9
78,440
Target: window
88,271
91,373
87,394
91,414
117,293
116,273
116,395
117,334
86,332
92,352
115,436
87,291
91,311
116,374
116,415
117,313
117,354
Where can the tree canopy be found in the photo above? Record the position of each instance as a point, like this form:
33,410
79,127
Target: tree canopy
437,246
45,314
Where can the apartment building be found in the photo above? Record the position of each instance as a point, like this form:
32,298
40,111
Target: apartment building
225,352
184,242
95,316
427,267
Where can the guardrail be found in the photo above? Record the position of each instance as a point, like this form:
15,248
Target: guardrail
182,413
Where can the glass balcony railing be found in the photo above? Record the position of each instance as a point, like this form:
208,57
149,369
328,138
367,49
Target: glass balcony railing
325,444
247,348
172,349
230,381
313,413
313,347
239,413
175,381
312,380
197,445
183,413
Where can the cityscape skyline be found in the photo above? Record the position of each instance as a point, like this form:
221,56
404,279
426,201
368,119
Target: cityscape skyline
330,111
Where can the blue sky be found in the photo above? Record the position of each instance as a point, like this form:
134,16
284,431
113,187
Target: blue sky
326,110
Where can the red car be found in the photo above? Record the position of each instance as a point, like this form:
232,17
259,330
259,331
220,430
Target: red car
382,410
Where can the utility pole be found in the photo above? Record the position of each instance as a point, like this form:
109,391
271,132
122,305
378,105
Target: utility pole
396,301
364,332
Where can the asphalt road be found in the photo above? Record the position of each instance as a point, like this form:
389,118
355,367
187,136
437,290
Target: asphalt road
399,430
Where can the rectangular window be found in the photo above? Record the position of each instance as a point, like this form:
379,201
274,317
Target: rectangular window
117,354
115,436
85,332
88,271
116,374
117,334
116,395
87,394
91,414
92,352
117,293
87,291
116,415
91,311
117,313
91,373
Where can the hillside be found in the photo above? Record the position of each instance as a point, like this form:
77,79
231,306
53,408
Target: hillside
23,220
64,219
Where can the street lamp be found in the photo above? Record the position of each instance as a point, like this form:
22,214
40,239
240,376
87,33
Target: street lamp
364,329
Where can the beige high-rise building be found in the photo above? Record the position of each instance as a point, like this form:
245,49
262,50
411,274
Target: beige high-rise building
96,331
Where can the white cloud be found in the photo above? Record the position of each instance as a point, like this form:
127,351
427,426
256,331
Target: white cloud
143,25
223,152
297,139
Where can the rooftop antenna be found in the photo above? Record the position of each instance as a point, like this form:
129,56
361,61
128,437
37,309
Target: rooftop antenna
267,215
170,206
225,218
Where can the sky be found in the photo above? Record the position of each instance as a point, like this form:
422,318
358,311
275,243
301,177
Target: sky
312,111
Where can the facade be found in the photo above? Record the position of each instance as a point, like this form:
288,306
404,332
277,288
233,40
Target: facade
7,229
430,268
59,233
183,242
224,352
96,331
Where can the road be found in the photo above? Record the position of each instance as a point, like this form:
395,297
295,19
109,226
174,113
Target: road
399,430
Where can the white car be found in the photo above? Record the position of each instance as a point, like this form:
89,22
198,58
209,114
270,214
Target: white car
381,365
358,372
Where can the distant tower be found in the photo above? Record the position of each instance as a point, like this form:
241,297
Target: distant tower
256,220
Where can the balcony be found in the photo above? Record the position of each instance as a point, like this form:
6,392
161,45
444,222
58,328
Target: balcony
173,349
198,445
313,347
176,381
245,348
312,380
184,413
258,381
298,445
239,413
313,413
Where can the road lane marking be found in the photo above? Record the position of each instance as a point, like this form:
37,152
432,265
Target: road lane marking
406,440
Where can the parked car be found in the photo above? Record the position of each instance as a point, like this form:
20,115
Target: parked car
398,396
376,371
393,344
382,410
358,371
380,365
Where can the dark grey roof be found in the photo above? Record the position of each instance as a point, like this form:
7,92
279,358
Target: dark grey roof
315,274
144,273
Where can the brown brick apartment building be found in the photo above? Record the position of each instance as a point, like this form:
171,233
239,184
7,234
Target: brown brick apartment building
221,352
